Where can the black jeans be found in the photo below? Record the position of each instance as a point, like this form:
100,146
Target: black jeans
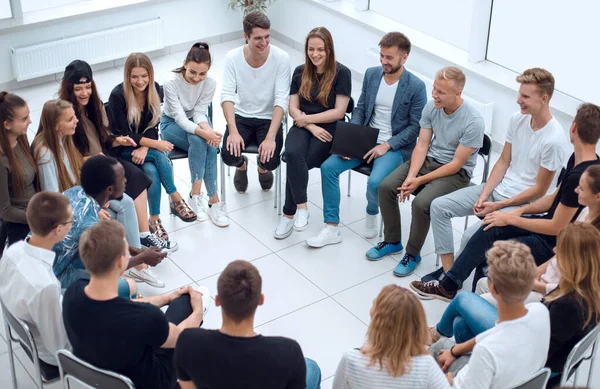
16,231
252,131
473,256
302,152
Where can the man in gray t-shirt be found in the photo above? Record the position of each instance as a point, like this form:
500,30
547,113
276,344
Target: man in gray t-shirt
442,162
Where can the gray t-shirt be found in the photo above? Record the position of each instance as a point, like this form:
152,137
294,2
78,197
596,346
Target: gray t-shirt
465,126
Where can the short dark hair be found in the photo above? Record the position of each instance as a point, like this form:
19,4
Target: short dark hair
99,248
239,288
587,119
397,39
256,19
47,210
97,174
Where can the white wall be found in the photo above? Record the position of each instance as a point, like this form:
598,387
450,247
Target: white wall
353,40
184,20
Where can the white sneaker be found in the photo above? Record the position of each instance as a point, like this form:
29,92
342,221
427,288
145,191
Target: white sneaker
301,220
370,230
218,215
284,228
328,235
206,300
145,275
198,205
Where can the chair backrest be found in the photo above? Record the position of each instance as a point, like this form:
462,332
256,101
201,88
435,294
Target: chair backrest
487,145
3,237
537,381
350,106
21,329
73,368
578,353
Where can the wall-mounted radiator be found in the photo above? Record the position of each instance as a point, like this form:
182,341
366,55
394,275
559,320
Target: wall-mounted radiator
96,47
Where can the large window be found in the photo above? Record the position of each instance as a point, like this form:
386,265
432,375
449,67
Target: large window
5,11
38,5
449,21
561,36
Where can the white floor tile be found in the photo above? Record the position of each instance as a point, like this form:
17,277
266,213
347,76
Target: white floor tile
24,381
320,324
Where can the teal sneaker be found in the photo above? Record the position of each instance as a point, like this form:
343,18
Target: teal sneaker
382,249
407,265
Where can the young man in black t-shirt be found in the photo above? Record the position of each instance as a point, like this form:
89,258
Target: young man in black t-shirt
235,356
537,232
133,338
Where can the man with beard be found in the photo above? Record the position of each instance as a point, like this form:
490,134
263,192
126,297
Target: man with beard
391,100
102,179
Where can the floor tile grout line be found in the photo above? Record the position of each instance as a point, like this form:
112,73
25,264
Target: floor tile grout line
217,273
295,310
347,310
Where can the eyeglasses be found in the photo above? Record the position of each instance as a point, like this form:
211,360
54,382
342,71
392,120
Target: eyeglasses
66,223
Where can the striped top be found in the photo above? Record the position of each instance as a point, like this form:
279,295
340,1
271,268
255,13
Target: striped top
353,373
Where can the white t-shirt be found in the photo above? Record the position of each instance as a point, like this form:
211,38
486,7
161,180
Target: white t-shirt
353,373
546,147
184,101
509,353
257,91
382,112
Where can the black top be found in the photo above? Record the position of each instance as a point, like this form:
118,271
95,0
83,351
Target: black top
119,335
214,360
117,117
567,327
566,192
342,85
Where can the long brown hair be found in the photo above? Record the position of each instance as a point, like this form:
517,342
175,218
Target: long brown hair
94,111
398,330
152,99
9,102
578,261
592,173
47,136
309,75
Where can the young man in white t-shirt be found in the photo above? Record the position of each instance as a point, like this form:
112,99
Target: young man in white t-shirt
526,171
254,98
508,344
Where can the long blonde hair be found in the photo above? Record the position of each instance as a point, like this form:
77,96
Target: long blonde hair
47,137
309,75
578,261
398,330
134,114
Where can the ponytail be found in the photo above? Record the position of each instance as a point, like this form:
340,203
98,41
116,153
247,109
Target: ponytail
199,53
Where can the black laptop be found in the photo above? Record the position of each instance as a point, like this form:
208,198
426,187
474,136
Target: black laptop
353,140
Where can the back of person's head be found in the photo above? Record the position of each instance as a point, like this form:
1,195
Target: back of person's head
46,211
396,39
454,74
511,270
316,38
57,114
134,111
541,78
398,330
578,262
14,113
97,174
101,246
239,290
587,120
255,19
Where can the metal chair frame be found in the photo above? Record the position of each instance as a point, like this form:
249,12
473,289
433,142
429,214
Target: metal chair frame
584,350
66,377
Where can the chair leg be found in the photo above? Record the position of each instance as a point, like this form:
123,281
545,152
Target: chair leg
466,223
380,227
276,188
279,196
592,361
229,171
349,182
11,359
223,189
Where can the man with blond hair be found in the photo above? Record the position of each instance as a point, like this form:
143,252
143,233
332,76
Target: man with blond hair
491,336
443,161
533,152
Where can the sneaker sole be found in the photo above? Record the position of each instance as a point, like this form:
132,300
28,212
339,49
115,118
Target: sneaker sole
144,281
300,229
169,251
403,274
221,225
283,236
429,296
324,244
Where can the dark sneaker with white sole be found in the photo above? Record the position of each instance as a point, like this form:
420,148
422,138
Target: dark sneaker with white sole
435,275
152,240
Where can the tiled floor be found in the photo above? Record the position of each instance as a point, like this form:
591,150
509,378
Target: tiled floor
319,297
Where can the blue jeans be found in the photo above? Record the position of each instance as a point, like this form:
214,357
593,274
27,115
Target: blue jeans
202,158
124,212
313,374
467,316
158,169
330,181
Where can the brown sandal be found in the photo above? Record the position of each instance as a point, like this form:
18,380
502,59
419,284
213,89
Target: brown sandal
157,229
183,211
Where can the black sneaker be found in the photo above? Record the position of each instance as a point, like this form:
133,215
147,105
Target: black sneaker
152,240
265,179
435,275
240,179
